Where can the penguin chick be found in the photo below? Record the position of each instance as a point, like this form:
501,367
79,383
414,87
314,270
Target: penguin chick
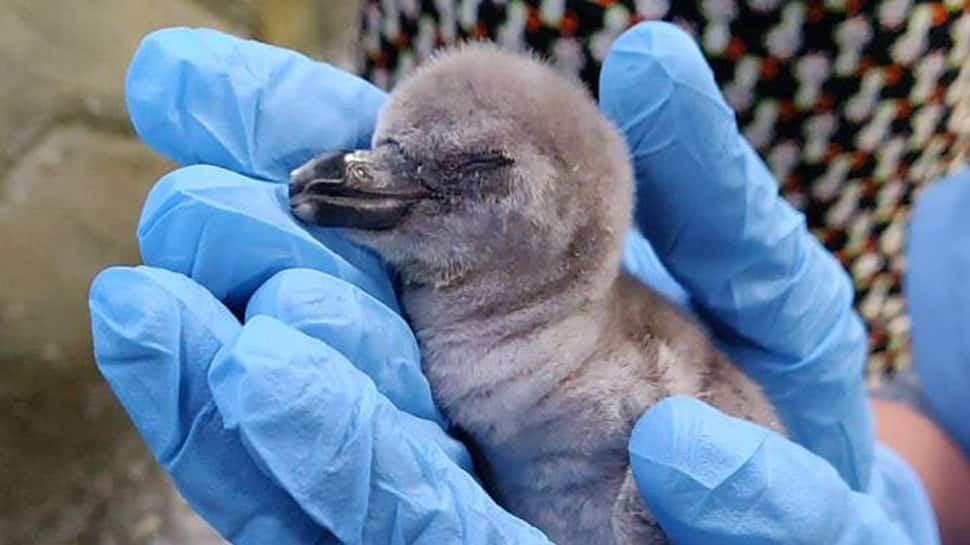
502,196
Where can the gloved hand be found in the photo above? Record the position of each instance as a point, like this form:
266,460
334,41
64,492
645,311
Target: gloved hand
780,306
936,293
313,416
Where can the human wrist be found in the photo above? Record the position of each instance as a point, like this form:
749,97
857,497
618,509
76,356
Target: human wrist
937,469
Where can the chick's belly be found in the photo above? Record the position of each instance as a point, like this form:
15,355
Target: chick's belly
569,497
563,477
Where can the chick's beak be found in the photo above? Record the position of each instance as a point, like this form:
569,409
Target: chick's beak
360,189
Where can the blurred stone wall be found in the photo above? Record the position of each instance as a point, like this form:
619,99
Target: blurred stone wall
72,180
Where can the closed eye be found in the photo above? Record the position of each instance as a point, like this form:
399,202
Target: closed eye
481,161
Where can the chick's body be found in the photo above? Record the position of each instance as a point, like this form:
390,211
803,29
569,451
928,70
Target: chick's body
502,196
551,400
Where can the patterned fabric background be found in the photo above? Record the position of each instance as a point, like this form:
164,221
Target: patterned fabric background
854,104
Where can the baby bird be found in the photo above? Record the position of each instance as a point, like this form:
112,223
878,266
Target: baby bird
502,196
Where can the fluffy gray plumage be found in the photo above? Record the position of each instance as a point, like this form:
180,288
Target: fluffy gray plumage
502,196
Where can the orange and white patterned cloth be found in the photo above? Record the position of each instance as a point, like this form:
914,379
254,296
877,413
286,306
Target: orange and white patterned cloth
853,104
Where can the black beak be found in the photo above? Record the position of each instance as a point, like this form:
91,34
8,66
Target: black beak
359,189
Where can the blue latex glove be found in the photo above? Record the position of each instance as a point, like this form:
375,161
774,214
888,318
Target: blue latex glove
270,430
781,307
936,293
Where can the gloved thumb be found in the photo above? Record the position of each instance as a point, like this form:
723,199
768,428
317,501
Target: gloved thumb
712,478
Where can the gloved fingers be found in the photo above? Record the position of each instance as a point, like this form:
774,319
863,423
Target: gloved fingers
155,335
231,233
938,262
712,211
712,478
366,332
347,459
903,496
201,96
641,261
822,404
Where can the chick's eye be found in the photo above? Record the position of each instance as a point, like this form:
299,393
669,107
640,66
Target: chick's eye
480,162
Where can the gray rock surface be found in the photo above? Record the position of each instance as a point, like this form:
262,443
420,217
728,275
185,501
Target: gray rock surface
72,180
71,467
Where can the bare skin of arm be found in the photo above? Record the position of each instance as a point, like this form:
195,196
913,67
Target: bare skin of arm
938,461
